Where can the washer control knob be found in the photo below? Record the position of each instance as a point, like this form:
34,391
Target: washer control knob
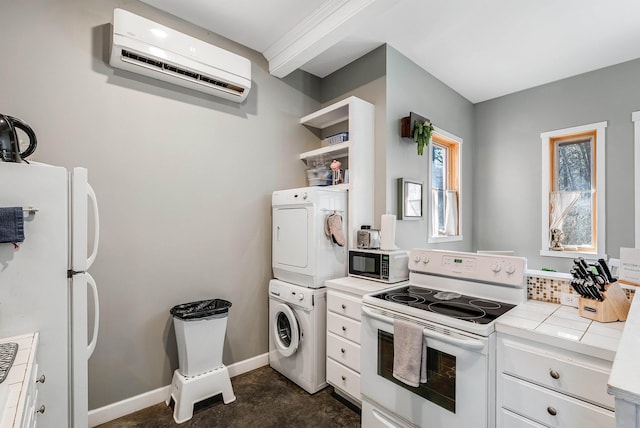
305,195
416,258
425,259
496,267
301,297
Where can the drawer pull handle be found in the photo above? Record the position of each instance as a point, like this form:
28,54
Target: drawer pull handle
343,378
344,328
342,350
554,374
552,411
343,306
41,379
41,409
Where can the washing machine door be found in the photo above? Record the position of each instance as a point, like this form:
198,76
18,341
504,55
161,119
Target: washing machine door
286,330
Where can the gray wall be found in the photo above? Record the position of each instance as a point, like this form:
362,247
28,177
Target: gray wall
396,86
365,78
411,89
507,180
183,180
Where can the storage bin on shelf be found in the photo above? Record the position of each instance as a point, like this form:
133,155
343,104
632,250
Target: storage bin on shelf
338,138
320,176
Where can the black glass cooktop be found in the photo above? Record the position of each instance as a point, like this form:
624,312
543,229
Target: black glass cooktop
452,304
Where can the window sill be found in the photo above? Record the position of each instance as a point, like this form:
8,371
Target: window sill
437,239
572,254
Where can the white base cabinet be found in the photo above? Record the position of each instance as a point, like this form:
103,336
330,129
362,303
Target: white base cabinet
539,385
344,311
343,344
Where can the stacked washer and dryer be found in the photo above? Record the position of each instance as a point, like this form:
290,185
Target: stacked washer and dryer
305,253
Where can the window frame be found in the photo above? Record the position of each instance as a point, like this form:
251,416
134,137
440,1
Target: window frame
454,166
548,173
635,118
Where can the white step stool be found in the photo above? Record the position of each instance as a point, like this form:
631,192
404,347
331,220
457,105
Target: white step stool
186,391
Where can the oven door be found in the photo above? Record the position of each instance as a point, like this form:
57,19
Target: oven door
459,388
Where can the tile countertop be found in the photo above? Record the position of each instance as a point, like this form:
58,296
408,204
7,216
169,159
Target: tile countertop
561,326
15,379
358,286
624,382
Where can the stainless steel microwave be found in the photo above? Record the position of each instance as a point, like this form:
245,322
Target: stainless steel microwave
378,265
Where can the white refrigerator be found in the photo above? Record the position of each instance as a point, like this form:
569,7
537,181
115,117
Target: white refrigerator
44,284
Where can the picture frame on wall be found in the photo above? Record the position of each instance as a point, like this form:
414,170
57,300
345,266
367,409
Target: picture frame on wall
410,200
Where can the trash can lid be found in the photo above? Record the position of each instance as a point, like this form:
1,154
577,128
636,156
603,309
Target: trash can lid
200,309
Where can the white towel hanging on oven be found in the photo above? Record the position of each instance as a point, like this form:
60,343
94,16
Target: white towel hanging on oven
423,363
409,356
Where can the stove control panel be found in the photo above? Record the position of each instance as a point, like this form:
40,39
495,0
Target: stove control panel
500,269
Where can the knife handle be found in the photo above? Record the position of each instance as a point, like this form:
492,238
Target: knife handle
602,278
581,271
575,287
584,264
606,270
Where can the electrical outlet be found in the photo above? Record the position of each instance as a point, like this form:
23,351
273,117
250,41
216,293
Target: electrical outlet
569,299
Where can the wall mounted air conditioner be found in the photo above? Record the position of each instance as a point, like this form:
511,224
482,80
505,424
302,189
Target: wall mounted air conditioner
145,47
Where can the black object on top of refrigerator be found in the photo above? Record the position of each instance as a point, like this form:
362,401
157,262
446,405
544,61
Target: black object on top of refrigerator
9,141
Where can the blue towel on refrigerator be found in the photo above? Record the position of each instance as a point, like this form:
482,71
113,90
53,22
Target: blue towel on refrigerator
11,225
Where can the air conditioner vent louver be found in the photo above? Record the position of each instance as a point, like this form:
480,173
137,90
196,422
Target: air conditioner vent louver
140,58
177,58
135,58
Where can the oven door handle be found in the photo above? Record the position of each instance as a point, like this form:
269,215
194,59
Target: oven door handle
471,344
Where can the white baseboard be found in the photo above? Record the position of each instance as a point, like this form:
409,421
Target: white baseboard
133,404
247,365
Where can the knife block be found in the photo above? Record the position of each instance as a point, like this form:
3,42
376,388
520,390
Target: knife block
614,307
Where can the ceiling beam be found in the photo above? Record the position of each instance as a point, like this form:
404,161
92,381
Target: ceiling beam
330,23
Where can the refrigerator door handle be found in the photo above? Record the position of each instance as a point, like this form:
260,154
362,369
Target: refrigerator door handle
96,227
96,322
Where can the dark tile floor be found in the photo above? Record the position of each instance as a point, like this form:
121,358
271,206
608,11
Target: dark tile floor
264,398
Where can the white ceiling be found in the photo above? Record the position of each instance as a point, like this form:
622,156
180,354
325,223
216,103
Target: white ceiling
481,49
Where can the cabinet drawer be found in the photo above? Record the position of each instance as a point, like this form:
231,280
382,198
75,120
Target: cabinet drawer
344,305
343,351
507,419
375,417
539,404
581,377
343,378
344,327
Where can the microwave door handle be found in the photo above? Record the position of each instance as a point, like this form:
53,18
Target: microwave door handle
472,344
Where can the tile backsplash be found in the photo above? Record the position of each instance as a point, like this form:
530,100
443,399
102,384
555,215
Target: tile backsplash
548,289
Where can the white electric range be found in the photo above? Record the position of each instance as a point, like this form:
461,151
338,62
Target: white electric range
456,298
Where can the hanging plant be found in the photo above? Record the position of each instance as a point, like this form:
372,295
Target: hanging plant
422,134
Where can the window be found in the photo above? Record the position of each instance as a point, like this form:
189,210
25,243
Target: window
573,191
444,160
